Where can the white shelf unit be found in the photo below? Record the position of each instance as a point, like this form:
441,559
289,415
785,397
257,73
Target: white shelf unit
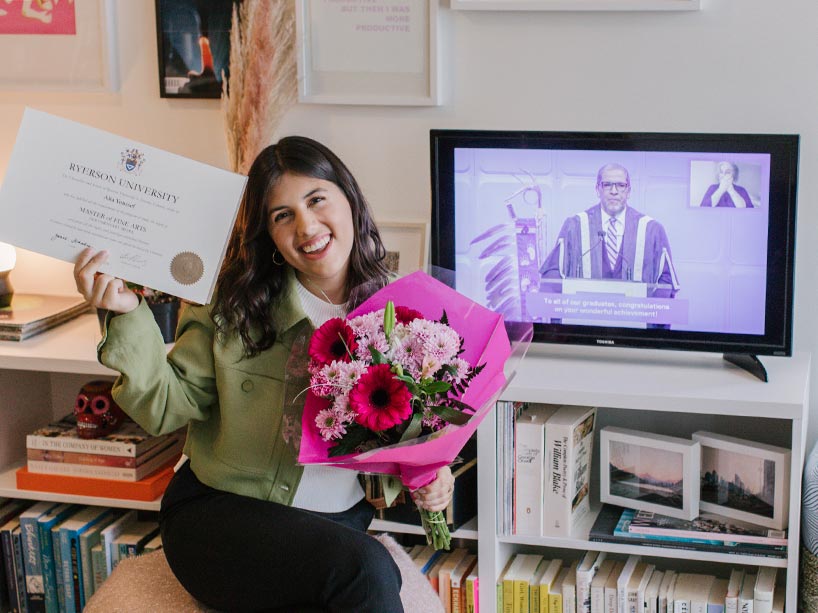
660,391
40,377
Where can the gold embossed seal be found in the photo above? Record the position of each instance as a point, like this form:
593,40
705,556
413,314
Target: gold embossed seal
186,267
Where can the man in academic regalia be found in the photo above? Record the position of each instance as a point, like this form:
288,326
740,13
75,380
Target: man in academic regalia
612,240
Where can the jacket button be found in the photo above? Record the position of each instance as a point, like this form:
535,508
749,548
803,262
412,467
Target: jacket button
286,488
247,385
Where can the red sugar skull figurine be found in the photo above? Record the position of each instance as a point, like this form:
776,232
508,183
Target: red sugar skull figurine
97,413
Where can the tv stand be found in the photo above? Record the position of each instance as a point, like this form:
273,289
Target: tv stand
748,362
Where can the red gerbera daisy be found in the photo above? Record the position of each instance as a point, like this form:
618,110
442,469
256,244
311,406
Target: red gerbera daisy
379,399
334,340
404,314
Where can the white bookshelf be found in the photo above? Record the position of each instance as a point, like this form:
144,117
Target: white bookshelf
659,391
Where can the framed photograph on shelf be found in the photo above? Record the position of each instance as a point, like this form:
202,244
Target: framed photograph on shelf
193,45
380,52
744,480
576,5
650,472
407,245
65,46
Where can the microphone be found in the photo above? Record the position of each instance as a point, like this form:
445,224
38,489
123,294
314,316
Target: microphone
600,238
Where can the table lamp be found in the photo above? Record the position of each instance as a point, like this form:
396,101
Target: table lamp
8,258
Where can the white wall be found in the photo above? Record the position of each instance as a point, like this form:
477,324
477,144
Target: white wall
734,66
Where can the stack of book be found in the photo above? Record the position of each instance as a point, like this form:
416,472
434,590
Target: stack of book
597,584
54,555
453,574
544,461
127,463
708,532
30,314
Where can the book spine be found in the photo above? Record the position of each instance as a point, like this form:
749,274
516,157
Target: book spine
633,602
75,586
528,465
78,445
8,565
35,593
470,595
99,565
610,600
556,486
67,573
19,568
86,542
55,540
597,599
52,604
569,599
710,536
83,459
555,602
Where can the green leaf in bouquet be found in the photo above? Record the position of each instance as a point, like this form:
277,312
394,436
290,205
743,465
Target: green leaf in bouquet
453,416
436,387
391,488
413,429
377,356
411,384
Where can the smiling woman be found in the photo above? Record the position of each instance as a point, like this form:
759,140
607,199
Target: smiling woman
304,249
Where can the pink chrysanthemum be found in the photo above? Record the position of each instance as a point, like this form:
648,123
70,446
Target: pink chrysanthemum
443,344
329,424
368,324
379,399
404,315
334,340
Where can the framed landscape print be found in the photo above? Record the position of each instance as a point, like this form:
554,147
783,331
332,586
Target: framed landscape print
650,472
744,480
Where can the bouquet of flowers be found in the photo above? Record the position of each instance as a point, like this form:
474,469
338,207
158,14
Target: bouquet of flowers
399,386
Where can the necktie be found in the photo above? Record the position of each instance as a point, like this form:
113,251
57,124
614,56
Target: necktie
611,242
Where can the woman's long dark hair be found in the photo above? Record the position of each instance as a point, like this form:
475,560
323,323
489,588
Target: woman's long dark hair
249,282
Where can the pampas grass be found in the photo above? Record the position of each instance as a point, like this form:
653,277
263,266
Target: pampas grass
263,80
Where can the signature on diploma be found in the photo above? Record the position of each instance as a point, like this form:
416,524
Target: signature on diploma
72,241
132,259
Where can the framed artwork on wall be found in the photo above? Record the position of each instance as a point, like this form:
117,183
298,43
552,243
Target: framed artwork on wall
381,52
649,472
407,245
193,45
65,46
577,5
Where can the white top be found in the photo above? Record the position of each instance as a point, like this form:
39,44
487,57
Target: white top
325,489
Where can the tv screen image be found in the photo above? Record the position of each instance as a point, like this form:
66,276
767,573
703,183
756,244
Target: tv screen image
681,241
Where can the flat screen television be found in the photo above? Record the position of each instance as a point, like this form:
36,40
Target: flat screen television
699,255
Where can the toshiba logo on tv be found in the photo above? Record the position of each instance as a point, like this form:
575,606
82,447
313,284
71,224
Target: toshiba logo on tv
604,341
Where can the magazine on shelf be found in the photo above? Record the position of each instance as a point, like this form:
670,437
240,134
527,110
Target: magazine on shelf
707,525
609,527
30,314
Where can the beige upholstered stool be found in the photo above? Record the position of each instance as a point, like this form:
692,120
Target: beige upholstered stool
145,584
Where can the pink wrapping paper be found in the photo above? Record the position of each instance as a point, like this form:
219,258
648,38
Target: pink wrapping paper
485,342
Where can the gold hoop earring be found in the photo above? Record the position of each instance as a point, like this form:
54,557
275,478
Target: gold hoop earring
282,262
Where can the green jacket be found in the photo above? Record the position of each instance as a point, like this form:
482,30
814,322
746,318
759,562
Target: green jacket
243,421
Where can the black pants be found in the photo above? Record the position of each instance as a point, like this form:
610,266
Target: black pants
236,553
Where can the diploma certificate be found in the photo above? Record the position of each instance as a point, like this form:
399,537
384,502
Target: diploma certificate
164,219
